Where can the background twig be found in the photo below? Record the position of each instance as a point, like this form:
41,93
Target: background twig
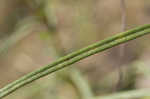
122,47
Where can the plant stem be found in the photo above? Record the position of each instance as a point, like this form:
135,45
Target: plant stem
82,84
127,95
123,46
75,57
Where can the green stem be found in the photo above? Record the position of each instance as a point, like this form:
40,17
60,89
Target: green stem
67,57
75,57
81,84
127,95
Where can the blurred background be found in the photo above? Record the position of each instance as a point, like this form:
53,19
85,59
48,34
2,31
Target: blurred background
33,33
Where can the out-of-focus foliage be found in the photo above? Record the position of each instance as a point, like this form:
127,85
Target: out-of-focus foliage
35,32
